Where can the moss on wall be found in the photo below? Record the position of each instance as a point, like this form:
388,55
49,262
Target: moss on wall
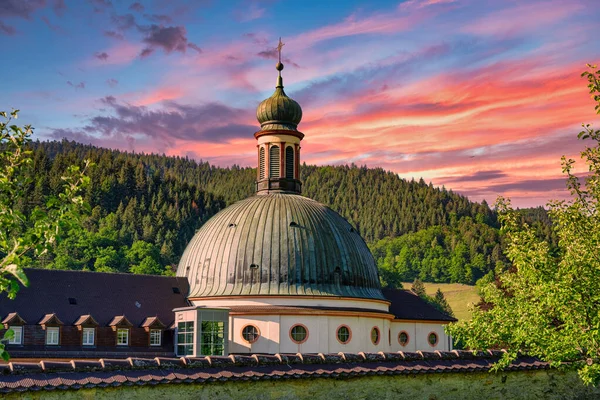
508,385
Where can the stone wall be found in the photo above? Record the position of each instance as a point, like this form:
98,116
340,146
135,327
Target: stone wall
420,375
541,384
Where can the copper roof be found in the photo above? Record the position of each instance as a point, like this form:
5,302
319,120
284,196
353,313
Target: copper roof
279,244
77,374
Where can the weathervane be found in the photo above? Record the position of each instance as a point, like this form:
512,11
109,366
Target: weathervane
279,47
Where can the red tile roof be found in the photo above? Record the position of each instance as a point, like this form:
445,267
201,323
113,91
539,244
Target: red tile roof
76,374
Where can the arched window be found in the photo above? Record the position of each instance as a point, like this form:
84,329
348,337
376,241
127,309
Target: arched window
250,333
261,163
289,162
274,162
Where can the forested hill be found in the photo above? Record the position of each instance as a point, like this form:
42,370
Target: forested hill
147,207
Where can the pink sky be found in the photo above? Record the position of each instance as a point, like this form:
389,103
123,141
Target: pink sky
483,97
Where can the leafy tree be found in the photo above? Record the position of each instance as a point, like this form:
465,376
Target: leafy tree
548,303
28,230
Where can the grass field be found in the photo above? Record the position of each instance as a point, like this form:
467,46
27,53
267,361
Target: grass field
459,296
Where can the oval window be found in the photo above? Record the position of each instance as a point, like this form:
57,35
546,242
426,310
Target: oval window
375,336
298,334
403,338
250,333
344,334
432,339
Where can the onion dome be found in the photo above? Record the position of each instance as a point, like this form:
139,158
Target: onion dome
279,244
279,112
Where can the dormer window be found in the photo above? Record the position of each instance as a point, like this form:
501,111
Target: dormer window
52,335
88,336
17,335
122,337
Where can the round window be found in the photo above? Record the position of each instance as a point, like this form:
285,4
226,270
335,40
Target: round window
299,334
250,333
432,338
403,338
375,335
343,334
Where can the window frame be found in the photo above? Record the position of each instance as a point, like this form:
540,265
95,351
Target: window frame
305,330
120,330
407,338
155,333
378,340
337,334
83,336
257,336
274,161
53,329
20,335
437,338
188,329
289,155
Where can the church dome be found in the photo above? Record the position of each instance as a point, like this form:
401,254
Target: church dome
279,244
279,112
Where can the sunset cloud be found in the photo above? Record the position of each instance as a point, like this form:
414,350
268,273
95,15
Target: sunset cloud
481,97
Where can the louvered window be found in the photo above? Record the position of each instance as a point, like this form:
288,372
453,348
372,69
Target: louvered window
289,162
274,162
261,163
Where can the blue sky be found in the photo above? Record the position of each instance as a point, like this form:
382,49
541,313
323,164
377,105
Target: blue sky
480,96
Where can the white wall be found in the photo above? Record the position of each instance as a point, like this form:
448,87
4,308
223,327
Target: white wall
322,334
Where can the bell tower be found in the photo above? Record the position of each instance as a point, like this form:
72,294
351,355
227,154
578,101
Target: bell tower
278,140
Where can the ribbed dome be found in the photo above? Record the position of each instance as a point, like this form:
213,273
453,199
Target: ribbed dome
279,244
279,112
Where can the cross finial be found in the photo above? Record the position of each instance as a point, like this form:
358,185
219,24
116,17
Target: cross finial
279,47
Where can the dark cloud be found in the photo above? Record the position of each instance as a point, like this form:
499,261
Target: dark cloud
530,185
59,7
20,8
273,54
137,7
55,28
477,176
194,47
158,18
169,39
256,39
123,22
112,82
80,85
114,35
17,9
101,56
101,5
146,52
210,122
6,29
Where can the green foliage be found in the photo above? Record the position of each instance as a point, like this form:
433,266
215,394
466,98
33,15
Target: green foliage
164,200
547,304
462,252
29,229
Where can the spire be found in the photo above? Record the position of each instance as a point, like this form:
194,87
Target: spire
278,140
279,65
